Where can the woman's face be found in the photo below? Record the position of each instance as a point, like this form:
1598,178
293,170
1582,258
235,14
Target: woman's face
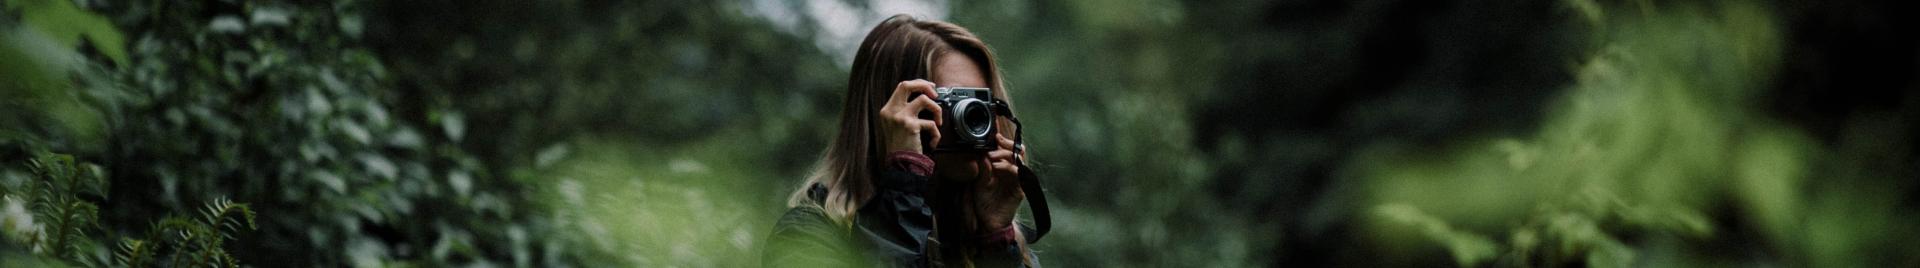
957,70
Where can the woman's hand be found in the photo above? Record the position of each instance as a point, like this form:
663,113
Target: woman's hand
998,195
900,123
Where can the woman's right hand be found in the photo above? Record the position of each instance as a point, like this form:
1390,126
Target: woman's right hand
900,122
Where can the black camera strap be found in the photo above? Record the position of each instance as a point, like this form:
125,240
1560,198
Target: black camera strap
1029,178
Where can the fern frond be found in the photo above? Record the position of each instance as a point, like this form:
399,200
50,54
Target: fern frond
182,234
192,240
133,253
177,231
84,214
227,259
86,178
220,214
79,217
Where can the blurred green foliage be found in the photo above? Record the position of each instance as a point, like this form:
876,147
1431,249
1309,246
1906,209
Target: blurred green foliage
1658,130
1172,133
51,198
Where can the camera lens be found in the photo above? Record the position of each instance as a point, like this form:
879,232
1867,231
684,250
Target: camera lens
975,116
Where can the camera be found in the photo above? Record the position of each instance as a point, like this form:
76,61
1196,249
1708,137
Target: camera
968,122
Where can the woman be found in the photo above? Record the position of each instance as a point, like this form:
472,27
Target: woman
881,197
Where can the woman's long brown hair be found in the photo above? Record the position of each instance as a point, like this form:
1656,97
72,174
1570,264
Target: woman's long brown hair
899,49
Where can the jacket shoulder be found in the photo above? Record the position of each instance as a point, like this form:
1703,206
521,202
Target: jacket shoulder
805,237
803,218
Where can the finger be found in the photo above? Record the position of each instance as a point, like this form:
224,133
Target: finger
1005,169
899,94
1010,146
999,155
926,104
928,126
925,88
1004,141
989,175
1000,177
907,88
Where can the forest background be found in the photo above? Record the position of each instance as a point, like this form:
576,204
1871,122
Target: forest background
1173,133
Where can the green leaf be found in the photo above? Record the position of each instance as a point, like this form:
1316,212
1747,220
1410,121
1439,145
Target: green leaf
69,24
133,253
1468,249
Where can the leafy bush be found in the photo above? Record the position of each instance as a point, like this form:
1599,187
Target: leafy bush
51,199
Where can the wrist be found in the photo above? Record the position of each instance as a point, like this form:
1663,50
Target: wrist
903,146
911,161
1006,233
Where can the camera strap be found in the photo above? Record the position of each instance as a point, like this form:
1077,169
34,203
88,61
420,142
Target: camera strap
1029,178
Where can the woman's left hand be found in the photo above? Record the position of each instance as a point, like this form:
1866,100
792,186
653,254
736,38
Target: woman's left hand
998,195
